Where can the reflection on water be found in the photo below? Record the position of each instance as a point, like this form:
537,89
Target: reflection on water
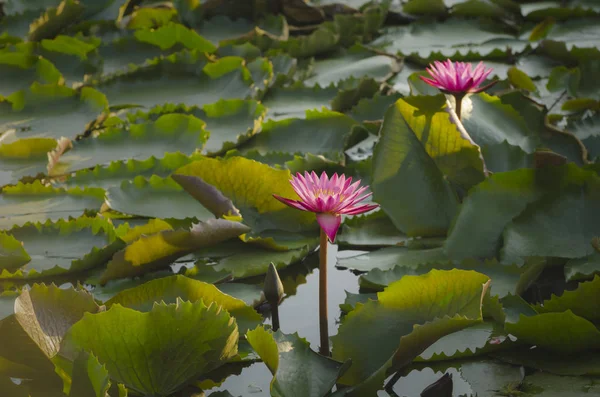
299,313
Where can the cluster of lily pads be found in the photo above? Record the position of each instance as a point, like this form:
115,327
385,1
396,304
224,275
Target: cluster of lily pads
142,144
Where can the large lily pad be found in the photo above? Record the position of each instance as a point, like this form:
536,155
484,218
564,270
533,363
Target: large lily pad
250,186
169,289
185,77
419,310
170,133
36,203
64,246
156,340
46,313
401,159
151,252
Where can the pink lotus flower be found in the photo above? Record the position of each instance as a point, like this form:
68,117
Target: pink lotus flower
457,78
328,198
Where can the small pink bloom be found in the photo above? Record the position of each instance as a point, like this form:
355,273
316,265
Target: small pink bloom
328,198
458,77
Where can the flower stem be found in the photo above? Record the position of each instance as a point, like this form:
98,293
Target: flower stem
323,320
458,105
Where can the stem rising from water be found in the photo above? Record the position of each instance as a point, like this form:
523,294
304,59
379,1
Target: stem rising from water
323,319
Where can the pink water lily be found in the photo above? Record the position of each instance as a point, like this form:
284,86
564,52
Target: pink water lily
457,78
328,198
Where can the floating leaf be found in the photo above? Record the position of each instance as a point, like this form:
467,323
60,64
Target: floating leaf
418,310
374,229
577,301
559,225
286,102
36,203
353,63
51,111
388,258
250,186
21,69
155,198
454,36
169,289
64,246
12,253
570,333
180,78
155,341
158,250
117,172
475,340
582,268
321,133
90,378
170,133
46,313
296,369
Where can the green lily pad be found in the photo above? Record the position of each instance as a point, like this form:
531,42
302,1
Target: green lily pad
578,301
505,279
352,63
449,38
24,157
90,378
296,369
155,341
559,225
12,253
169,289
46,313
64,246
389,257
21,69
568,333
180,78
472,341
50,111
583,268
416,320
115,173
401,159
35,202
171,133
250,186
158,250
374,229
287,102
155,198
320,132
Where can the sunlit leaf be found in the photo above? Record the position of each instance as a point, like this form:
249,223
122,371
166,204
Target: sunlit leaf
250,186
169,289
46,313
401,159
418,310
159,250
147,355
